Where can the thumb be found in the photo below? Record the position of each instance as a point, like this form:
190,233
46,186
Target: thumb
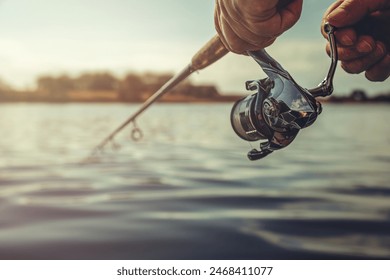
350,12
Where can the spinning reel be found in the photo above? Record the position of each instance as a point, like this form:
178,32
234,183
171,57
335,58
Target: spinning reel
279,108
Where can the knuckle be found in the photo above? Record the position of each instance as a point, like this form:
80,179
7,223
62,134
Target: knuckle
236,46
379,72
377,76
381,50
346,54
346,68
354,67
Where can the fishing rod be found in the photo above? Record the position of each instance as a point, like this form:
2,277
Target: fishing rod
212,51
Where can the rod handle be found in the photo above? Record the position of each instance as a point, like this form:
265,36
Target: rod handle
212,51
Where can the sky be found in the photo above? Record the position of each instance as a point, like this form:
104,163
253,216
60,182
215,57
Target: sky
40,37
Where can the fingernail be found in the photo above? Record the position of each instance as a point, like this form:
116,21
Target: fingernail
346,40
364,47
381,49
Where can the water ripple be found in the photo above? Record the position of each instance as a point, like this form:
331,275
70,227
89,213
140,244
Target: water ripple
187,191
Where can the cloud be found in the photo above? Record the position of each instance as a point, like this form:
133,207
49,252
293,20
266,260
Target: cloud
23,60
306,61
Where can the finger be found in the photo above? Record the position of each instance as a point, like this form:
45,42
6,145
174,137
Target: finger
362,64
223,31
218,26
273,22
345,53
283,3
228,36
331,8
363,46
349,12
237,34
325,16
254,10
235,41
346,36
290,14
377,26
380,71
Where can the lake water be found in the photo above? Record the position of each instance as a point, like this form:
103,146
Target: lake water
187,190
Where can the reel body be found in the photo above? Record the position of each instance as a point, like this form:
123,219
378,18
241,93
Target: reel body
271,114
279,108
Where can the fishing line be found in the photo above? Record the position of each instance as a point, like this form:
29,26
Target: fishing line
136,133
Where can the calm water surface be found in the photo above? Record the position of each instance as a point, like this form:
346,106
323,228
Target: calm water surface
187,191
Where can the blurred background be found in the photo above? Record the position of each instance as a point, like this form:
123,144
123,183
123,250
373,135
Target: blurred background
53,38
73,71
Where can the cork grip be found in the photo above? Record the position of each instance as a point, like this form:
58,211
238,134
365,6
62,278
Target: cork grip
208,54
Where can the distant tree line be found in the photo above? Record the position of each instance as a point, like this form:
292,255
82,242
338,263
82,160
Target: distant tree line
133,87
360,96
103,86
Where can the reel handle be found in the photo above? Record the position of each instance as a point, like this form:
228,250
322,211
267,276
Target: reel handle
325,88
256,154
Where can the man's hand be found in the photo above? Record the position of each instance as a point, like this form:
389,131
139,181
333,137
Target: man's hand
363,36
248,25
